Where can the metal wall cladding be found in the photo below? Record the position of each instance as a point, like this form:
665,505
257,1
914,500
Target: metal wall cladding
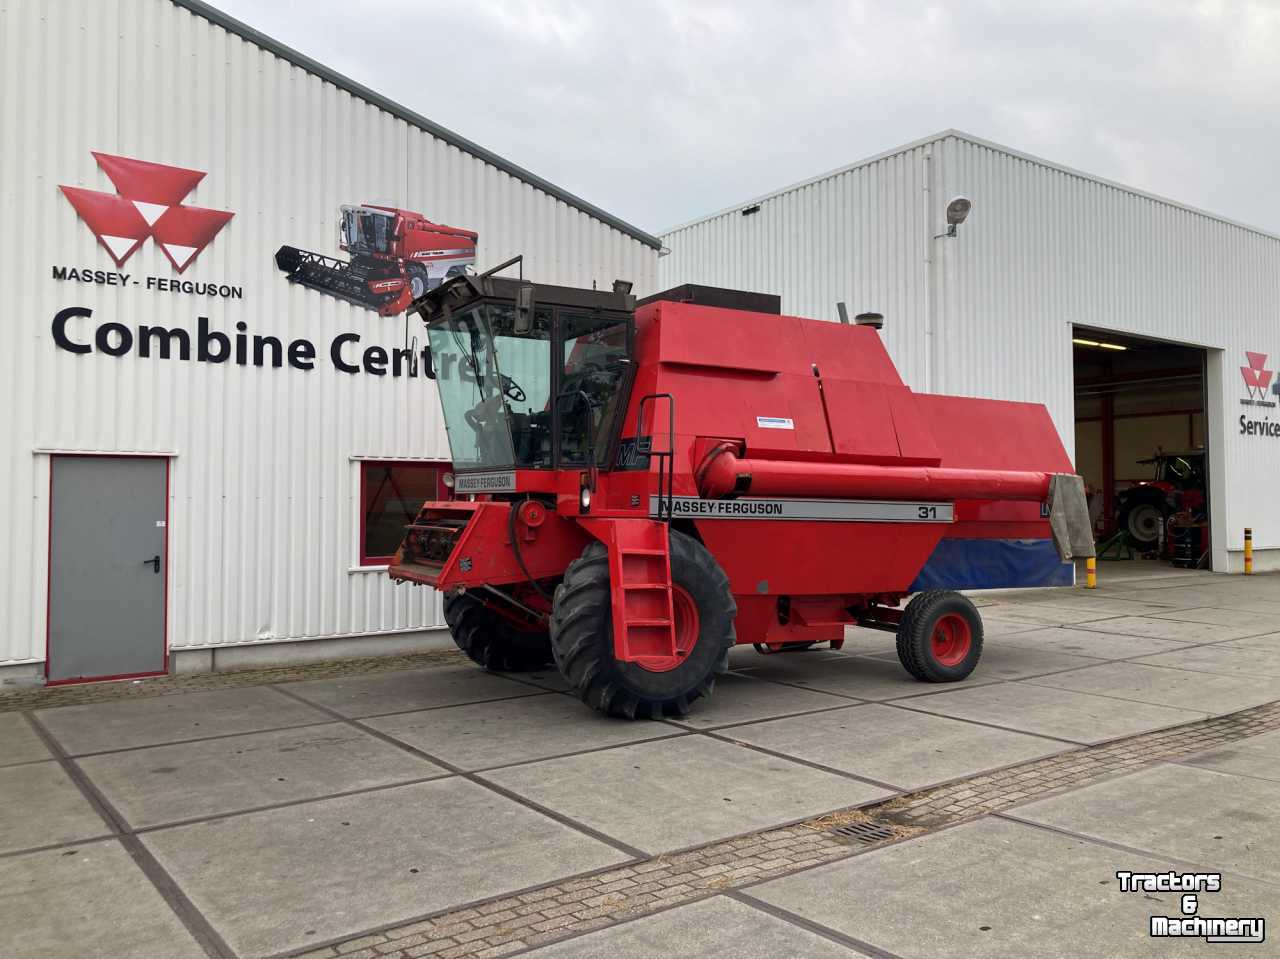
1043,249
263,496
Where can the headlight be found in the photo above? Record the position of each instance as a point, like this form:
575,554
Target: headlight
447,480
584,498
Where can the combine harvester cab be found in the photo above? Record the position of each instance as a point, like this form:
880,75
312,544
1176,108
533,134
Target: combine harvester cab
637,490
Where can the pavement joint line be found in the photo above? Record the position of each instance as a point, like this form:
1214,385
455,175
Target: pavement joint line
15,697
817,928
416,709
286,803
1208,642
1136,850
629,850
199,739
738,864
775,754
1146,702
1074,743
26,762
1190,764
200,929
50,847
737,723
679,734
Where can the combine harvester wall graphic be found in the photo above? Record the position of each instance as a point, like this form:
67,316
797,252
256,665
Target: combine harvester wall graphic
396,257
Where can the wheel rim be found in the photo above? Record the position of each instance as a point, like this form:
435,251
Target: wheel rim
952,639
417,285
1144,522
687,625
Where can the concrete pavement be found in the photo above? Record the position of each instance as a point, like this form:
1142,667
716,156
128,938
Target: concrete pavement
455,812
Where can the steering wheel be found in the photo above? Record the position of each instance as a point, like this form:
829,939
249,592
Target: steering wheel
511,389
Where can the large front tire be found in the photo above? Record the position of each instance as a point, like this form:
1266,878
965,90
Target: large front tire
582,635
491,640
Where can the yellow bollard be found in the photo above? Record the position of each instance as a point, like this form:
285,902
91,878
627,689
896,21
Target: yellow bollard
1091,573
1248,551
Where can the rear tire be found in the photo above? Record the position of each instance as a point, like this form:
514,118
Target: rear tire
940,637
419,281
582,635
1142,519
491,640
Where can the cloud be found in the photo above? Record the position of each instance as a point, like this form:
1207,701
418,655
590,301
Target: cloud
664,110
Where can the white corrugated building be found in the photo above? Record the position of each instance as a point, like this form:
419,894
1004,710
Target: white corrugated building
1140,323
187,513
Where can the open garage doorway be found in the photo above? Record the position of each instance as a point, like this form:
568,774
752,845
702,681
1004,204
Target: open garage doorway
1141,446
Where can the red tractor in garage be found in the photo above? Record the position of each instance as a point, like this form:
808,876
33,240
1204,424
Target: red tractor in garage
640,487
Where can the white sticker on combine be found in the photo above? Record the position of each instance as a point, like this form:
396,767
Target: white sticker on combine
823,510
504,482
775,423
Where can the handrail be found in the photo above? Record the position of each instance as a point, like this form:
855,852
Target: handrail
666,458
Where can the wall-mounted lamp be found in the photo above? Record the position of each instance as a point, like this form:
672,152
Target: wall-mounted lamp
957,212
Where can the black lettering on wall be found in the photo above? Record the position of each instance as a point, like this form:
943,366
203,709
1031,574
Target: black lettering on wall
205,337
60,329
165,339
335,352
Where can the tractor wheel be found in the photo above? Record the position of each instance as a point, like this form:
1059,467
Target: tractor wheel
582,634
491,640
419,282
940,637
1142,518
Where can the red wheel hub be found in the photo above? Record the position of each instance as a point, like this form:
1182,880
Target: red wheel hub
687,622
687,625
952,639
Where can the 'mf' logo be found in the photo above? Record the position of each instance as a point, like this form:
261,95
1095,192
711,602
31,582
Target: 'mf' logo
1256,375
147,203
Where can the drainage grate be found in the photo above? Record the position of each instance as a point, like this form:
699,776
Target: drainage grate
866,833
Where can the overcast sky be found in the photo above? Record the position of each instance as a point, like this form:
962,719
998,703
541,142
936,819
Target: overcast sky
664,110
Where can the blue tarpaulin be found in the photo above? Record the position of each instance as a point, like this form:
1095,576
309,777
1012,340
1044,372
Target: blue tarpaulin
993,564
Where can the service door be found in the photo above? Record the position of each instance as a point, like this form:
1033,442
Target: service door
107,567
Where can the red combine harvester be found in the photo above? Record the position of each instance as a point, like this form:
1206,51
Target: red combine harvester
396,257
638,489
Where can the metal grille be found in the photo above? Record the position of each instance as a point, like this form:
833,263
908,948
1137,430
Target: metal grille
866,833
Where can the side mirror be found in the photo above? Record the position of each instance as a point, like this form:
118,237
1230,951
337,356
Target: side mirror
524,309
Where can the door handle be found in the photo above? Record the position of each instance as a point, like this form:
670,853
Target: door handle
154,562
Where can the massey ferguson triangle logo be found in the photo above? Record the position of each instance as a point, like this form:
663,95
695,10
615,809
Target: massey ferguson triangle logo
1257,378
147,203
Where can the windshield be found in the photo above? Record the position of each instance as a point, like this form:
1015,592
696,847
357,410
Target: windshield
495,387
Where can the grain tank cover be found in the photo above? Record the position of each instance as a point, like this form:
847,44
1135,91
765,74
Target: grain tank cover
719,296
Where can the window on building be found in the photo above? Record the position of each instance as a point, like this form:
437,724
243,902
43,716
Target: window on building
390,496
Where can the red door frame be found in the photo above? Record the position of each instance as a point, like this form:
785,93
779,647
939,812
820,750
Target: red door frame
48,589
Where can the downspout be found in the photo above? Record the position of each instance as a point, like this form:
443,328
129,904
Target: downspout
929,305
